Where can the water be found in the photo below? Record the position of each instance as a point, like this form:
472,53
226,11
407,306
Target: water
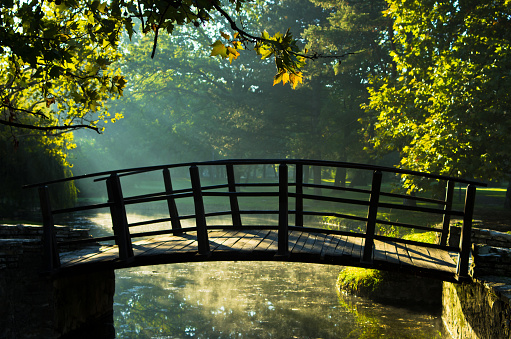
251,300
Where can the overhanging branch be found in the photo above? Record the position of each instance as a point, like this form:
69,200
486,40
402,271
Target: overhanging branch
67,128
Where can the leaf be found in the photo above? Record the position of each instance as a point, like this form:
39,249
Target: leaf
219,49
233,54
295,79
278,77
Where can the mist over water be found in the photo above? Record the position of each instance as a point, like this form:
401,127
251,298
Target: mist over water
249,300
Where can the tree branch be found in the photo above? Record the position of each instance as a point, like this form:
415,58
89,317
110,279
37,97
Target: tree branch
49,128
251,38
10,107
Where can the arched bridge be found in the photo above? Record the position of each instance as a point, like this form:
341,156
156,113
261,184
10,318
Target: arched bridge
292,206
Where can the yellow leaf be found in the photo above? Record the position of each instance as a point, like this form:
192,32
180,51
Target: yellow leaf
295,79
278,77
285,78
219,49
232,53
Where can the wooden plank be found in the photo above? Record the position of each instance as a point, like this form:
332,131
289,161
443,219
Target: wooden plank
319,244
175,244
329,245
245,237
300,242
358,247
324,245
344,247
229,243
217,238
336,240
420,257
142,246
402,252
443,260
110,254
309,244
268,243
448,260
293,238
391,253
88,257
379,251
256,240
81,254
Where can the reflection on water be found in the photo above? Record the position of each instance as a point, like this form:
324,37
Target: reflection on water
248,300
253,300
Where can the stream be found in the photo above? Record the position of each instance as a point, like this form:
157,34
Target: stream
250,300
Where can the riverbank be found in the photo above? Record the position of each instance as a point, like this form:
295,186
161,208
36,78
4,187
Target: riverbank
475,310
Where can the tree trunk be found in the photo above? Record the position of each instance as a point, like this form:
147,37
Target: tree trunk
306,174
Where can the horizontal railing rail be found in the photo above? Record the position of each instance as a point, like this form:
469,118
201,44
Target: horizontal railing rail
288,187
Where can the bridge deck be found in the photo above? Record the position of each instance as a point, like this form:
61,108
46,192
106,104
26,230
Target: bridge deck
261,245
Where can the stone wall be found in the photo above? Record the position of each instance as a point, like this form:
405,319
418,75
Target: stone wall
491,251
481,309
477,310
481,236
33,305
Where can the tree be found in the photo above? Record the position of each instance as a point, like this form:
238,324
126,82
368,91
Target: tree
446,108
340,87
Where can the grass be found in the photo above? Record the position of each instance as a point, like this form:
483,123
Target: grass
361,281
364,281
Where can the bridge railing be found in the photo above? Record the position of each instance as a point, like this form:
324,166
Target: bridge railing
292,196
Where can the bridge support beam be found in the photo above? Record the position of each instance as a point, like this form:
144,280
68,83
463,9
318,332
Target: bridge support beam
200,214
372,214
466,230
171,203
283,240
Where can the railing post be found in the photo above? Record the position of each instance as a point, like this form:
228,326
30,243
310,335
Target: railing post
200,215
299,195
449,194
283,236
466,233
371,217
171,203
119,219
50,250
235,208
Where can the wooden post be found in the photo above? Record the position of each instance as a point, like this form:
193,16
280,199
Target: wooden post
466,233
372,213
200,214
119,219
235,208
283,236
171,203
50,250
299,195
449,194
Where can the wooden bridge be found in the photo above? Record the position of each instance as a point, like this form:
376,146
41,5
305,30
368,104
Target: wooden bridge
292,236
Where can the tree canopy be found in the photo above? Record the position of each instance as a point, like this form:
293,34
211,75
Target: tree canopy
58,56
447,107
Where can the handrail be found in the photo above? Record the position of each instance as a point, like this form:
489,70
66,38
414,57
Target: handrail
323,163
231,189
